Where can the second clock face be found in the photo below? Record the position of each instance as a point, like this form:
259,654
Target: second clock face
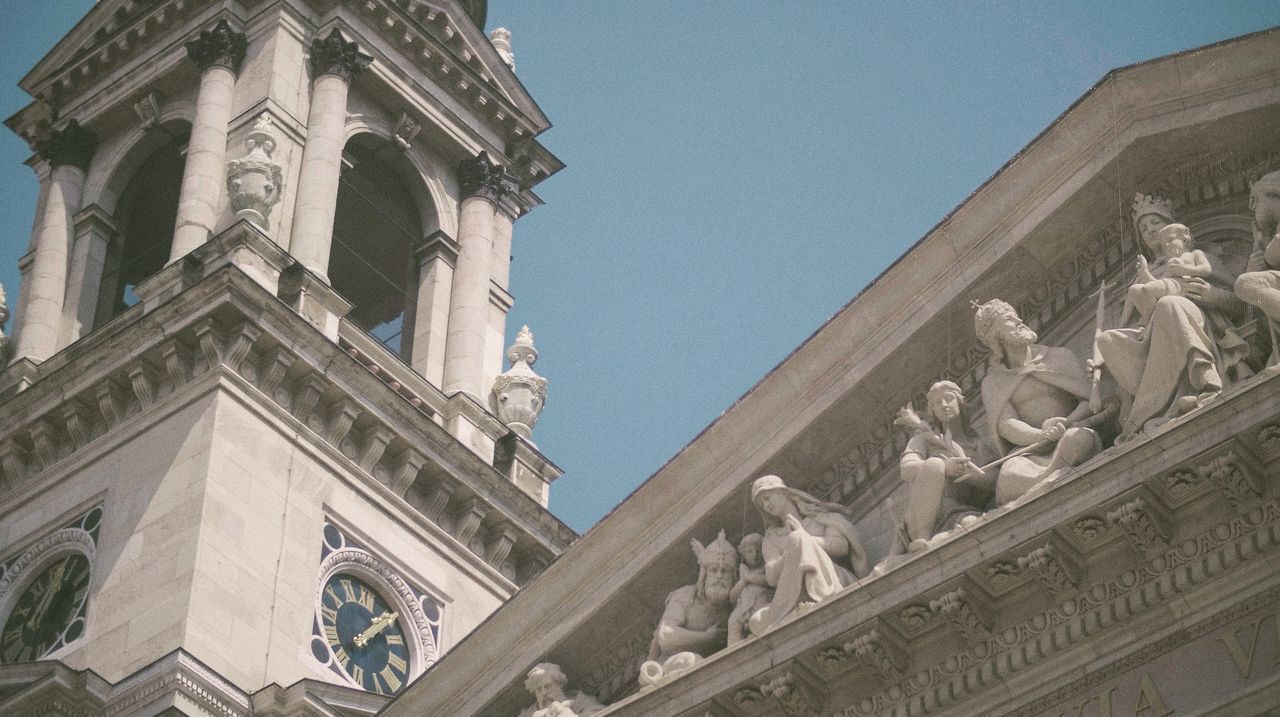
365,634
45,615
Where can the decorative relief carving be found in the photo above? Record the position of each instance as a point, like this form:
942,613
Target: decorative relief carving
481,177
405,130
1269,438
965,612
796,698
1089,528
1143,525
334,55
6,344
148,110
220,46
881,651
73,145
1092,612
1051,566
1002,573
1236,474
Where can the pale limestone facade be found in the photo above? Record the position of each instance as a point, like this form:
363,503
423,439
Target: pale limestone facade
1141,578
217,435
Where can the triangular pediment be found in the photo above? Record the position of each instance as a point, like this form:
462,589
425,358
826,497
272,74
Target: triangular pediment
1043,233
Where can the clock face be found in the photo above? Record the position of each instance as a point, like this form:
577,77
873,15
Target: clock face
46,614
365,634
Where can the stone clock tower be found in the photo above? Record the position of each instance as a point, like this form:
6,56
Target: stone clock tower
258,451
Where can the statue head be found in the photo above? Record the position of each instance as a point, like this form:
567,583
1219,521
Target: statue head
1150,215
946,401
1174,239
998,325
749,549
1264,200
717,569
546,682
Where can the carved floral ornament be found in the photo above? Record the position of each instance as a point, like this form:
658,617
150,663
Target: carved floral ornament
220,46
481,177
335,55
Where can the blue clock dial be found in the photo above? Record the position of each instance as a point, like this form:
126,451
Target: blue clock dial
46,614
365,635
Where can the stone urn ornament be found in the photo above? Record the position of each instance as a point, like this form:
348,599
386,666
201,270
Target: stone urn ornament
254,181
519,394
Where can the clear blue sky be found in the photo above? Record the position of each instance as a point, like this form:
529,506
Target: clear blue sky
737,171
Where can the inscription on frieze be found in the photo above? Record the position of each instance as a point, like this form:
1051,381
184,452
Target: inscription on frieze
1204,673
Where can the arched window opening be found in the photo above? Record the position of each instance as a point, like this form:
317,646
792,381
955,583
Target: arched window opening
376,226
145,215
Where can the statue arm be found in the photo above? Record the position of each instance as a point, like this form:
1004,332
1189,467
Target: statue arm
673,636
1017,431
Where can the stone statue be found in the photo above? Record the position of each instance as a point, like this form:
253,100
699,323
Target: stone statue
694,623
546,682
1260,284
1037,401
803,538
752,592
1174,359
941,467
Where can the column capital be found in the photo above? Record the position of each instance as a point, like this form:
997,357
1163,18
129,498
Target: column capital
334,55
72,145
480,177
221,46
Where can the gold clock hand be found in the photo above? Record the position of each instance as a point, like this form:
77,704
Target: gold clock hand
55,582
379,624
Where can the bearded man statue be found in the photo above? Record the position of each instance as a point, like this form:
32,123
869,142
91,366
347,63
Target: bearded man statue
695,621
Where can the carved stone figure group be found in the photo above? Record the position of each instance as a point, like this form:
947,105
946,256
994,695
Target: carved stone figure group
809,551
1177,345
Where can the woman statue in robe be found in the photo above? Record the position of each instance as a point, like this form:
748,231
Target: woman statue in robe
803,539
1176,359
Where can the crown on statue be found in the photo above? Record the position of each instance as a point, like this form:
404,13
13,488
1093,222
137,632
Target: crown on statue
1144,204
718,552
986,316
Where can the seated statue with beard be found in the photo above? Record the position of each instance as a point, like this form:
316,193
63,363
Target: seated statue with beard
1037,402
695,622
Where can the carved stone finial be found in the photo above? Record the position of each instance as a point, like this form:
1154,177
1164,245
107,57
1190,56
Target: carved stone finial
480,177
335,55
254,181
73,145
220,46
520,394
501,39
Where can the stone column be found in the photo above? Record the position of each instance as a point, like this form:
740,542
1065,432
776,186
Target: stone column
483,184
94,230
500,300
334,62
68,152
43,173
219,53
430,312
